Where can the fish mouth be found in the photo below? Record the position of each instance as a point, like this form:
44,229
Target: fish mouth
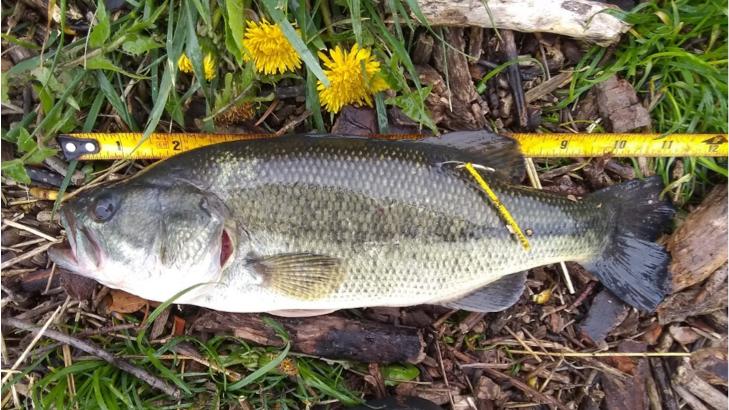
82,253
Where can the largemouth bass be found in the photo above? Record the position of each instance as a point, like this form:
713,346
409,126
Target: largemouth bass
303,225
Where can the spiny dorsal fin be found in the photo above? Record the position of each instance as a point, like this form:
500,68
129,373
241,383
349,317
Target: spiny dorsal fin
494,297
485,148
300,275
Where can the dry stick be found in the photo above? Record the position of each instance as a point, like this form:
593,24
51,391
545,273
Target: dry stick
514,77
689,398
29,229
28,255
687,378
528,390
293,123
30,346
442,370
524,345
668,398
98,352
602,354
13,390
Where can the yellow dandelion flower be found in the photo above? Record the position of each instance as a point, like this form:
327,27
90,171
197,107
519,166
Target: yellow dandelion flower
269,49
349,83
209,67
184,64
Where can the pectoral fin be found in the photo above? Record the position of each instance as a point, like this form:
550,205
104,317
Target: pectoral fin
494,297
302,276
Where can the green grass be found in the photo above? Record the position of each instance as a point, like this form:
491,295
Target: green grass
675,55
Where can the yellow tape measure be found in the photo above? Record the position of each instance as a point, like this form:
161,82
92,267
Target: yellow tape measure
111,146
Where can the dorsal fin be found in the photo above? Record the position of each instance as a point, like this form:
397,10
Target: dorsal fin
485,148
479,147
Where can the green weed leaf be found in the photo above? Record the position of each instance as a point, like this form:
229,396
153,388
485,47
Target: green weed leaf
25,142
103,63
101,31
235,20
413,105
15,170
138,45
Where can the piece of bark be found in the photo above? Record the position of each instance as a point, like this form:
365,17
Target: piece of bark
327,336
437,393
423,50
475,42
622,170
628,394
619,106
710,364
698,247
355,121
35,282
77,286
709,297
464,107
548,86
565,17
718,321
687,378
606,313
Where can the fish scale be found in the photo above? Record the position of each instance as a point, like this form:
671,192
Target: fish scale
407,228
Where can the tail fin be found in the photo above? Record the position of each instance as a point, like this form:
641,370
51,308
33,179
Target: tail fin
633,266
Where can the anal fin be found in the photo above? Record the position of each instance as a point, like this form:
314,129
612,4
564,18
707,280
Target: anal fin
494,297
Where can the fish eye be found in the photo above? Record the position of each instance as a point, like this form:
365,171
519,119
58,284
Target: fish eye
104,208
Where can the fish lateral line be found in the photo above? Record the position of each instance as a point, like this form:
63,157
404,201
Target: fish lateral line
500,207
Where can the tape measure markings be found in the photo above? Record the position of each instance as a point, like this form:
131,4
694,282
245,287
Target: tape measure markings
110,146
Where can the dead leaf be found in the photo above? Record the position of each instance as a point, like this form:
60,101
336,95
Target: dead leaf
178,326
683,334
123,302
652,334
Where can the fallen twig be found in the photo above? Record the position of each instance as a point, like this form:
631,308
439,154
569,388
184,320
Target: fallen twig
35,340
28,255
528,390
29,229
517,90
668,398
98,352
602,354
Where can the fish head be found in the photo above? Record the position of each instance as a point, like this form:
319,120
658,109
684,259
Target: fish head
149,239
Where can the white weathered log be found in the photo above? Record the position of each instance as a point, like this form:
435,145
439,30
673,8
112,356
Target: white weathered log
581,19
